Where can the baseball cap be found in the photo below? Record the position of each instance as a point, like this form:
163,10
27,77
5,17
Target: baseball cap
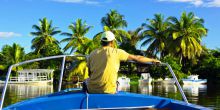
107,36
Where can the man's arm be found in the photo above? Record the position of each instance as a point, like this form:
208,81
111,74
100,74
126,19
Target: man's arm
142,59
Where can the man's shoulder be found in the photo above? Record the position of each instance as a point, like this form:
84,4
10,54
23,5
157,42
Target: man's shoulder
94,51
120,50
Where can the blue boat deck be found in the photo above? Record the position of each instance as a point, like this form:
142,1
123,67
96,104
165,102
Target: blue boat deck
67,100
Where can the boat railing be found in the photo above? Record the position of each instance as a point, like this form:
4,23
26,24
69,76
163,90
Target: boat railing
26,79
62,71
174,77
35,60
176,81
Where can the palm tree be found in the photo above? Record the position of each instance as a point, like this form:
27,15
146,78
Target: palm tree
44,35
130,44
12,54
17,53
187,33
156,34
77,38
87,47
78,42
79,65
113,21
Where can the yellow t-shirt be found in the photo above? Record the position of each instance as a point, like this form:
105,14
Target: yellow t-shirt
104,64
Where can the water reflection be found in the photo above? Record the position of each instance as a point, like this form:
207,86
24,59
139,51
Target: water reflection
169,88
124,87
18,92
193,92
200,95
145,88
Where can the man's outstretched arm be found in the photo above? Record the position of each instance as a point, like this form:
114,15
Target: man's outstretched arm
142,59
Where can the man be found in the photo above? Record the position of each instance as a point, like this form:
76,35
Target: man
104,64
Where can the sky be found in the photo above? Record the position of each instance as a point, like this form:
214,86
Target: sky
18,16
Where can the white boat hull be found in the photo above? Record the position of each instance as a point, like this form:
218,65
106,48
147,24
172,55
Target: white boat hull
123,81
145,81
170,81
191,82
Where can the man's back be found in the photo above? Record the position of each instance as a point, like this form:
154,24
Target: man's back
104,64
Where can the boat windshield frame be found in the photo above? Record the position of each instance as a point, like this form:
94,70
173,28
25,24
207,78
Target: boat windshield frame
62,71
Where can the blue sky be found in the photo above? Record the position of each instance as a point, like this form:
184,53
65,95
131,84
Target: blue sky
18,16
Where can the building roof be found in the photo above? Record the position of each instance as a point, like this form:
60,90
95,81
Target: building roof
36,71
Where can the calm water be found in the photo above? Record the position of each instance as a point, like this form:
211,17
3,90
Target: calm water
205,95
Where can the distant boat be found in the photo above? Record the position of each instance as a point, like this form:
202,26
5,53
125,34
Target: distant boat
123,81
145,78
30,76
193,79
168,81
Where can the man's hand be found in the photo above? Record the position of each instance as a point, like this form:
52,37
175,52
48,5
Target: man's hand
157,62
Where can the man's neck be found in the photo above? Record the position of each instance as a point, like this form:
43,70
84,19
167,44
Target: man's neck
106,46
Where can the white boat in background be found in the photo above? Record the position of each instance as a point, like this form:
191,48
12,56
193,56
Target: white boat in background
193,79
168,81
32,76
123,81
145,78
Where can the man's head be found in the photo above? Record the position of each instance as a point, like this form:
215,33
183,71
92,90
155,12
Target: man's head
107,38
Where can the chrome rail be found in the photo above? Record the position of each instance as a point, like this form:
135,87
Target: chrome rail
35,60
176,81
174,76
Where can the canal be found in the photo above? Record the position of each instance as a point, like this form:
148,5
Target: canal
205,95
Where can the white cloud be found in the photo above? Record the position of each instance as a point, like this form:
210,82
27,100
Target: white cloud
197,3
69,1
91,2
9,34
214,3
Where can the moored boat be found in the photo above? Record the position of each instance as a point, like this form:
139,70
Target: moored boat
32,76
145,78
193,79
168,81
123,83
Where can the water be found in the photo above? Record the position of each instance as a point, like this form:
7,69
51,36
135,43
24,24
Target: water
205,95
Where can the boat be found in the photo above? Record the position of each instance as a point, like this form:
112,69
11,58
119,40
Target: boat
67,100
145,78
193,79
32,76
168,81
73,98
123,83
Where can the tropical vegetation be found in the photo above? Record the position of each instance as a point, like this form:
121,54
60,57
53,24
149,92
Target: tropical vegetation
176,40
